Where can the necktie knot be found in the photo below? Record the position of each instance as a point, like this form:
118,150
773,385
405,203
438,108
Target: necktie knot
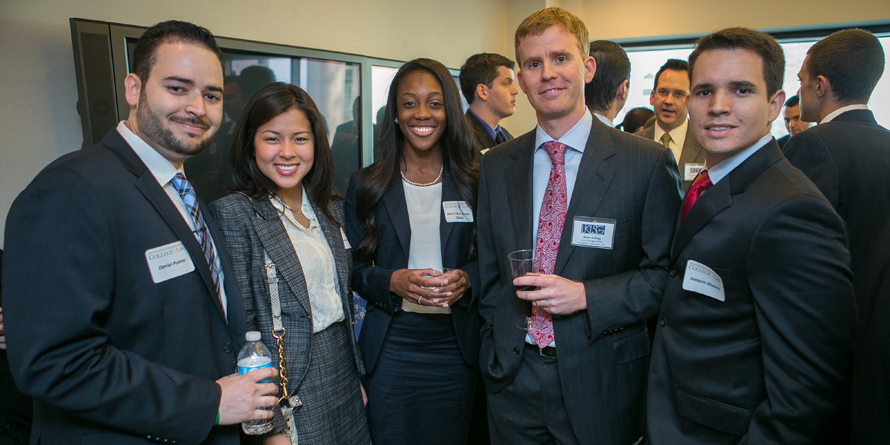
557,152
702,182
666,140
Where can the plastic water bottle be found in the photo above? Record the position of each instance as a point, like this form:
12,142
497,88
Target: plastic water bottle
254,355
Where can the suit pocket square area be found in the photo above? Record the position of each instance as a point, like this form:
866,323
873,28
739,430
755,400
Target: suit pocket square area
631,348
716,415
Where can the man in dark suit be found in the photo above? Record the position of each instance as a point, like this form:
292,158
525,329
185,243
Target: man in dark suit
487,83
121,310
671,129
597,205
755,330
606,94
848,157
793,123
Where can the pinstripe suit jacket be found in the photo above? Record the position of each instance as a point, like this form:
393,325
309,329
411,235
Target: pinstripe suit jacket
251,225
692,153
603,351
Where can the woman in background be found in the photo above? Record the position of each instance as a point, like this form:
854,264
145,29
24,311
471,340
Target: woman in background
284,207
420,336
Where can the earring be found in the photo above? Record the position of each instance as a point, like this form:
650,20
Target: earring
396,120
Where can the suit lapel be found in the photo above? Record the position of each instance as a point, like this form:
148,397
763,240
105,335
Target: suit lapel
155,194
397,210
334,237
273,238
445,227
593,180
692,153
518,179
719,197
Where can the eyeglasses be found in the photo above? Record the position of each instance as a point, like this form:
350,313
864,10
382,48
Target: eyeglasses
663,93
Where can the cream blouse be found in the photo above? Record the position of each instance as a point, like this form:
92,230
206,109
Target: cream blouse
317,262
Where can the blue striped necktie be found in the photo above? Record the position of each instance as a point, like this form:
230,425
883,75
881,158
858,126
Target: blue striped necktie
190,199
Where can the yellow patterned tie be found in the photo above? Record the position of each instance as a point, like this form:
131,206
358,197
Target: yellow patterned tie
666,140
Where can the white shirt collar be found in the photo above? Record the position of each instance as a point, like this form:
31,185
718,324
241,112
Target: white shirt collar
604,119
843,110
721,170
160,167
305,208
678,135
576,138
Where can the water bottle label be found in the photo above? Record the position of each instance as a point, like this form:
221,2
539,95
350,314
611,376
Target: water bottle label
246,369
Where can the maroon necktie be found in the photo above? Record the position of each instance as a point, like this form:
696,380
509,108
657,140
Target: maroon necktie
550,222
702,182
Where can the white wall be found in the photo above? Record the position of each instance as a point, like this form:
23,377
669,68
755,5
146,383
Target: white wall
38,120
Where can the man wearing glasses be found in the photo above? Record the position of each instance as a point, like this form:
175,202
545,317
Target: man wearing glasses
671,129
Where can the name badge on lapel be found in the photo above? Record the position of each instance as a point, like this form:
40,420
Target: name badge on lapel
168,261
457,211
598,233
691,171
703,280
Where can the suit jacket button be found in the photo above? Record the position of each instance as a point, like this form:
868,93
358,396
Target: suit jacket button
516,351
662,322
672,273
227,348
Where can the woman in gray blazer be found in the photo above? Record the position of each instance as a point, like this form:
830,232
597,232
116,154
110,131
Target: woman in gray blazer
285,212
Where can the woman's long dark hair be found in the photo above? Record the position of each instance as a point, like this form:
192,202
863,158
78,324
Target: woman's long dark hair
458,155
269,102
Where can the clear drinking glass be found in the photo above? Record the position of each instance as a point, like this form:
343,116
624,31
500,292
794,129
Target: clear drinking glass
522,262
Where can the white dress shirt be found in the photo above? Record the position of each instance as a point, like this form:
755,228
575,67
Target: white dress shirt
164,171
843,110
317,263
678,138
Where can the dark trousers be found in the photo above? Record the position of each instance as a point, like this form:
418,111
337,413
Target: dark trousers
531,410
421,389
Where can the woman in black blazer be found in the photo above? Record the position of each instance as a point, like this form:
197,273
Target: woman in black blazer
286,212
409,212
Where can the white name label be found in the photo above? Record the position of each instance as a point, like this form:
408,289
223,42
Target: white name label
168,261
703,280
598,233
457,211
691,171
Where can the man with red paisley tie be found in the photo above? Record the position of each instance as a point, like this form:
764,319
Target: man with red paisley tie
565,358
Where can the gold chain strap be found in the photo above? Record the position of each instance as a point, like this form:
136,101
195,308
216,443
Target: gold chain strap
282,372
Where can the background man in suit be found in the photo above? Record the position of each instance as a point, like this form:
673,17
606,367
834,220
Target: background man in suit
848,156
487,83
606,94
597,205
671,129
121,311
755,330
792,120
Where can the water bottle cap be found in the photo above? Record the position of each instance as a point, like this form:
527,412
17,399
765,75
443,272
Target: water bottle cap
253,336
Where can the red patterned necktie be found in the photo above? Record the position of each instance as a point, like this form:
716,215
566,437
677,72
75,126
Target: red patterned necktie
550,222
702,182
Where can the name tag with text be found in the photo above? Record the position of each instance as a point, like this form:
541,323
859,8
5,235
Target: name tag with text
168,261
691,171
598,233
703,280
457,211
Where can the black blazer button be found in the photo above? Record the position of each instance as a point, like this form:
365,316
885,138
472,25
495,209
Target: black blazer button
516,351
672,273
227,348
662,322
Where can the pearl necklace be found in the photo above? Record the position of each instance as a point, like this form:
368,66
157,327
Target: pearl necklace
415,184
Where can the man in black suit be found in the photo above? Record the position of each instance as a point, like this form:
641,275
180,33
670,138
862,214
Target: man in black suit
671,129
848,157
755,330
597,205
606,94
793,123
121,311
487,83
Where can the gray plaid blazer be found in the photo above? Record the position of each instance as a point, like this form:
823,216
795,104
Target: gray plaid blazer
250,225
